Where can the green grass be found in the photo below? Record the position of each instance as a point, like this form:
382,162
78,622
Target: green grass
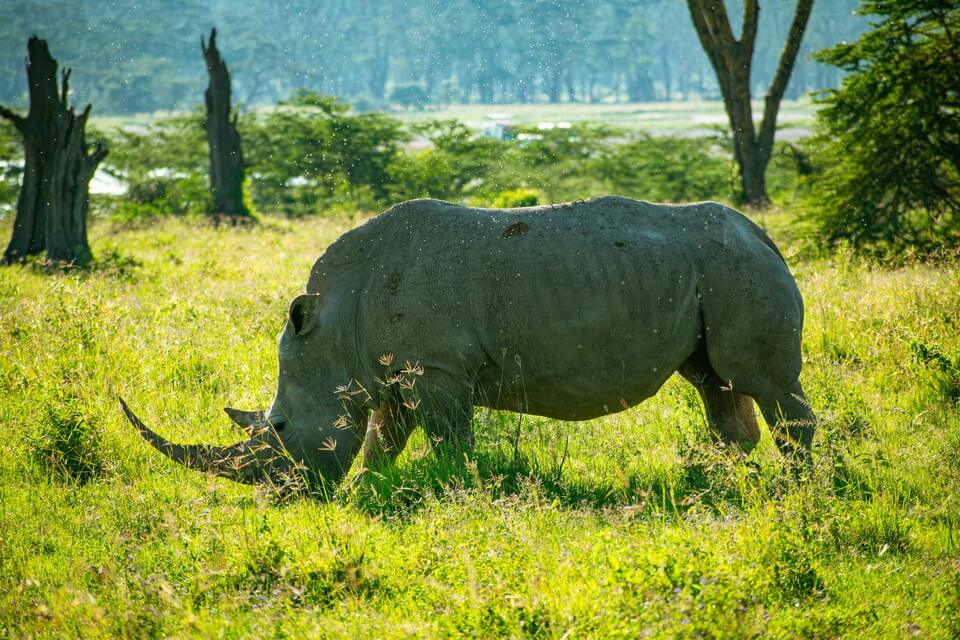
622,527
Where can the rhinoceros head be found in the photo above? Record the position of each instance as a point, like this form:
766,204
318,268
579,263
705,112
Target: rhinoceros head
311,432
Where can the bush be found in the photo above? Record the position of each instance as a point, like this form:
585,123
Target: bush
516,198
165,168
11,161
456,167
150,196
311,152
668,169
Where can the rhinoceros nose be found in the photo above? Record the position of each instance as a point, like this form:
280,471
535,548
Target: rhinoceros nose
278,423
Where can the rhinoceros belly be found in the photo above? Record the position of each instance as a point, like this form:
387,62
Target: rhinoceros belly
583,337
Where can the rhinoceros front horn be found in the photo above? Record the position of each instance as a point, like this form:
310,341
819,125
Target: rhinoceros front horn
250,461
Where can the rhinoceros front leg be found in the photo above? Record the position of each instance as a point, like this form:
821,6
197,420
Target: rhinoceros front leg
387,434
445,409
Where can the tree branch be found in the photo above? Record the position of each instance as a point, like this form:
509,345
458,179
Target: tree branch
716,18
16,120
65,86
785,67
751,18
99,152
708,37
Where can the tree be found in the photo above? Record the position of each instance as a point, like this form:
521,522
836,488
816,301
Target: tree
412,96
58,165
226,155
731,60
891,132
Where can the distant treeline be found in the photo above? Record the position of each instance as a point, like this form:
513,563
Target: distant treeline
134,56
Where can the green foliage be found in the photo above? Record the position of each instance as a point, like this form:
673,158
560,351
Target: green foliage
164,166
516,51
458,164
312,152
11,165
668,170
888,174
516,198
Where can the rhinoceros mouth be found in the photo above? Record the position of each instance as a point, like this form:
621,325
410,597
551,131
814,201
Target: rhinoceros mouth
251,461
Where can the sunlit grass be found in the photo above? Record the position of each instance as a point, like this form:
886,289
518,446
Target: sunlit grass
624,526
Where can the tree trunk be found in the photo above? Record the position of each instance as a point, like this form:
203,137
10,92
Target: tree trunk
226,156
640,84
58,165
667,73
731,60
554,84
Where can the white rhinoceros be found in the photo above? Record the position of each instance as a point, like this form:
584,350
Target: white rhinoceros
571,311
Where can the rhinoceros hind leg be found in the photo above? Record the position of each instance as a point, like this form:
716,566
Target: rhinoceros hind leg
730,414
387,435
791,421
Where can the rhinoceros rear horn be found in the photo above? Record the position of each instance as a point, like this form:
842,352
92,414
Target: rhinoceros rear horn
247,461
249,421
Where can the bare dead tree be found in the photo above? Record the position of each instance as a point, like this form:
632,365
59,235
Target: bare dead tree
226,155
58,165
731,59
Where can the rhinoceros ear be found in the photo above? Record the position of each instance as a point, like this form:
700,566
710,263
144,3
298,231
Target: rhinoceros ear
304,312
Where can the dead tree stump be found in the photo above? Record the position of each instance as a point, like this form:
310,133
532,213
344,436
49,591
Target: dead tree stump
226,156
58,165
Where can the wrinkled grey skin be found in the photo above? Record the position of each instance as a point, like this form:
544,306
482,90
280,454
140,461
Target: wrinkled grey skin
572,312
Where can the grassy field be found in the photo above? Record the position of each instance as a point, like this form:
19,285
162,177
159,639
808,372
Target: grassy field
628,526
691,117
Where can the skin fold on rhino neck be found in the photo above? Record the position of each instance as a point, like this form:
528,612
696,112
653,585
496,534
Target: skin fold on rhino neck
323,426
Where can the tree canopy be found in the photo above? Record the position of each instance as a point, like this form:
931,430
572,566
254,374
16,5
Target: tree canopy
890,133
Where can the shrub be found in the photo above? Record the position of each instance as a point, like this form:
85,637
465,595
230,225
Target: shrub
668,169
312,151
165,168
457,165
11,160
516,198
